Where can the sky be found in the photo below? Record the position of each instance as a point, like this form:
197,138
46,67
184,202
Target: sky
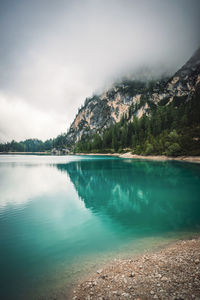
54,54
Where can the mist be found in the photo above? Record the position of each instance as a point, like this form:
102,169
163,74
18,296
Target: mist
54,54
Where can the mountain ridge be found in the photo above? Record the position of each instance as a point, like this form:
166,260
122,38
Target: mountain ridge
101,111
155,117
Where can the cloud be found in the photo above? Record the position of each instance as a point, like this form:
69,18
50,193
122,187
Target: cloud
22,184
55,54
20,119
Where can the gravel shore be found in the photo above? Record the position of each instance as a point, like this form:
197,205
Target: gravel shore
194,159
170,273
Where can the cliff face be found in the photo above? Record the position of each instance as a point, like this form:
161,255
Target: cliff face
99,112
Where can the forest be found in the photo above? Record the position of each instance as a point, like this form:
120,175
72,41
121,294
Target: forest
170,129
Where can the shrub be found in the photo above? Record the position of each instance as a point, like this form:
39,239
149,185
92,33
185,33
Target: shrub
173,150
149,149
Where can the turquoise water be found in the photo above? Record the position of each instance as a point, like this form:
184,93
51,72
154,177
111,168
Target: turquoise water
61,217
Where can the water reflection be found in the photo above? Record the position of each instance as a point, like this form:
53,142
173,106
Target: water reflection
148,195
59,213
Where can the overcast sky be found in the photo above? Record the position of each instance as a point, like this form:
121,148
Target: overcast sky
54,54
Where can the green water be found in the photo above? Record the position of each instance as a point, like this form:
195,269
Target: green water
61,217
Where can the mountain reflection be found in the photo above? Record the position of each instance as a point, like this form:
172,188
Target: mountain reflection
139,194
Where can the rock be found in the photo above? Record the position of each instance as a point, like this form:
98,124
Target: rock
152,293
125,294
155,297
197,261
132,274
125,280
115,292
164,278
99,271
129,287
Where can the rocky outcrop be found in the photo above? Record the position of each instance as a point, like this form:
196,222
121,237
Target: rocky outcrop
99,112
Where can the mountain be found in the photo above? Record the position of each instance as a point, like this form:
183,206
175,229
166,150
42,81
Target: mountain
145,117
134,98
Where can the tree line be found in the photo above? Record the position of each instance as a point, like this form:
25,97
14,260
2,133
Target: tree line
34,145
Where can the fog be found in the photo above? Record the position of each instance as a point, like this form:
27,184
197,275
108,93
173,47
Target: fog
54,54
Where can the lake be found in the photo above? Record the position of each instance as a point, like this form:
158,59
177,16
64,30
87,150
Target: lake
64,216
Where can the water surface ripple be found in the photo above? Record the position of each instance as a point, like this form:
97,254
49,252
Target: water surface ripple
63,216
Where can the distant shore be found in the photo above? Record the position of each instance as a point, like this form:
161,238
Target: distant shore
169,273
194,159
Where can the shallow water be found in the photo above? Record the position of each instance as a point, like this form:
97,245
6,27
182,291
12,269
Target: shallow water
60,217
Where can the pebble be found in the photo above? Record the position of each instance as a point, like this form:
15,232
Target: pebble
152,293
132,274
197,261
125,294
164,278
99,271
125,280
104,276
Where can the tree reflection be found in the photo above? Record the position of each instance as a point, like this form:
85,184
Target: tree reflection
151,195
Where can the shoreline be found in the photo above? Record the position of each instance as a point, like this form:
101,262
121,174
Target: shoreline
194,159
191,159
172,272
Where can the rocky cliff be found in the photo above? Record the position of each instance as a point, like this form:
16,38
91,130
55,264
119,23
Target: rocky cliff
100,111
